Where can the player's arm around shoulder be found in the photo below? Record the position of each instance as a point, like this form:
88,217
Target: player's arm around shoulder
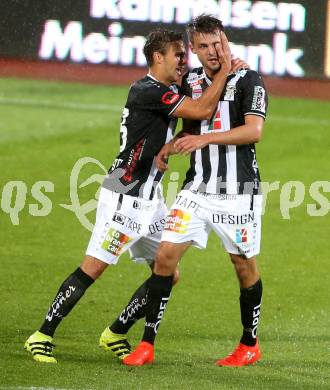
204,106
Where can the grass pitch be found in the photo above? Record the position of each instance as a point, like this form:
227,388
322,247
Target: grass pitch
45,128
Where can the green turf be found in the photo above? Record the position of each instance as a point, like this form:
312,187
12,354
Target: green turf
44,129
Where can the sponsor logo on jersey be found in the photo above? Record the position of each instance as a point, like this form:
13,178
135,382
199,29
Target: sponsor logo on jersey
127,222
196,84
259,102
133,159
196,90
194,77
215,122
241,235
170,97
177,221
115,242
230,93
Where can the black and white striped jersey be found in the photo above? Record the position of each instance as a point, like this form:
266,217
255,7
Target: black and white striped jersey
146,125
221,169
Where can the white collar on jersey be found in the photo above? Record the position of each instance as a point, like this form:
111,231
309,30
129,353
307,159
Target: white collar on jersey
152,77
206,77
173,87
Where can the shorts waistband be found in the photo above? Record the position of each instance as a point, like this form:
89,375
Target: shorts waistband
131,201
216,196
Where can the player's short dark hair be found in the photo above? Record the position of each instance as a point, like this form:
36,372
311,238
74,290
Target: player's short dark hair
158,41
203,23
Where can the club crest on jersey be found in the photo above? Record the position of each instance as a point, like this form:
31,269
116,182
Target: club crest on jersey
177,221
115,242
170,97
241,235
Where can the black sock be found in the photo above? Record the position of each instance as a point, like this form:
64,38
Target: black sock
135,310
71,290
250,301
159,290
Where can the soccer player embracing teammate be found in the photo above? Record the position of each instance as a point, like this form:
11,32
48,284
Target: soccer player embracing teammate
221,192
131,199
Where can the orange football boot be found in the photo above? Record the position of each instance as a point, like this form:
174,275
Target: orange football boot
143,354
242,356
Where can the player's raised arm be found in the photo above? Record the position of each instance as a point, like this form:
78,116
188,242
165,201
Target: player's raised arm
204,106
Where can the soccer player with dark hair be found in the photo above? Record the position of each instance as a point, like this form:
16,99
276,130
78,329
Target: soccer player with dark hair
221,192
130,200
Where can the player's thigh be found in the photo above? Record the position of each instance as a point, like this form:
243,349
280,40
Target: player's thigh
185,222
144,250
112,235
168,256
237,222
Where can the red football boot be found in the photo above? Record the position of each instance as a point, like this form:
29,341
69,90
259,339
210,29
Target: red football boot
143,354
242,356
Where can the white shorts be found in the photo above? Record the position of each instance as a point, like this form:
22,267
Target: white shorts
124,223
236,219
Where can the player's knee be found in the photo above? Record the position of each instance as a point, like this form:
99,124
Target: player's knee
246,269
237,259
165,263
93,267
240,264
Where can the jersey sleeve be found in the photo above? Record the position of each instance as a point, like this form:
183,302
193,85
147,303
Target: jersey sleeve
255,99
158,97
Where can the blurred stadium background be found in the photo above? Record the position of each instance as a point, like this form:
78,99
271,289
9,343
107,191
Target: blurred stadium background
102,40
65,67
